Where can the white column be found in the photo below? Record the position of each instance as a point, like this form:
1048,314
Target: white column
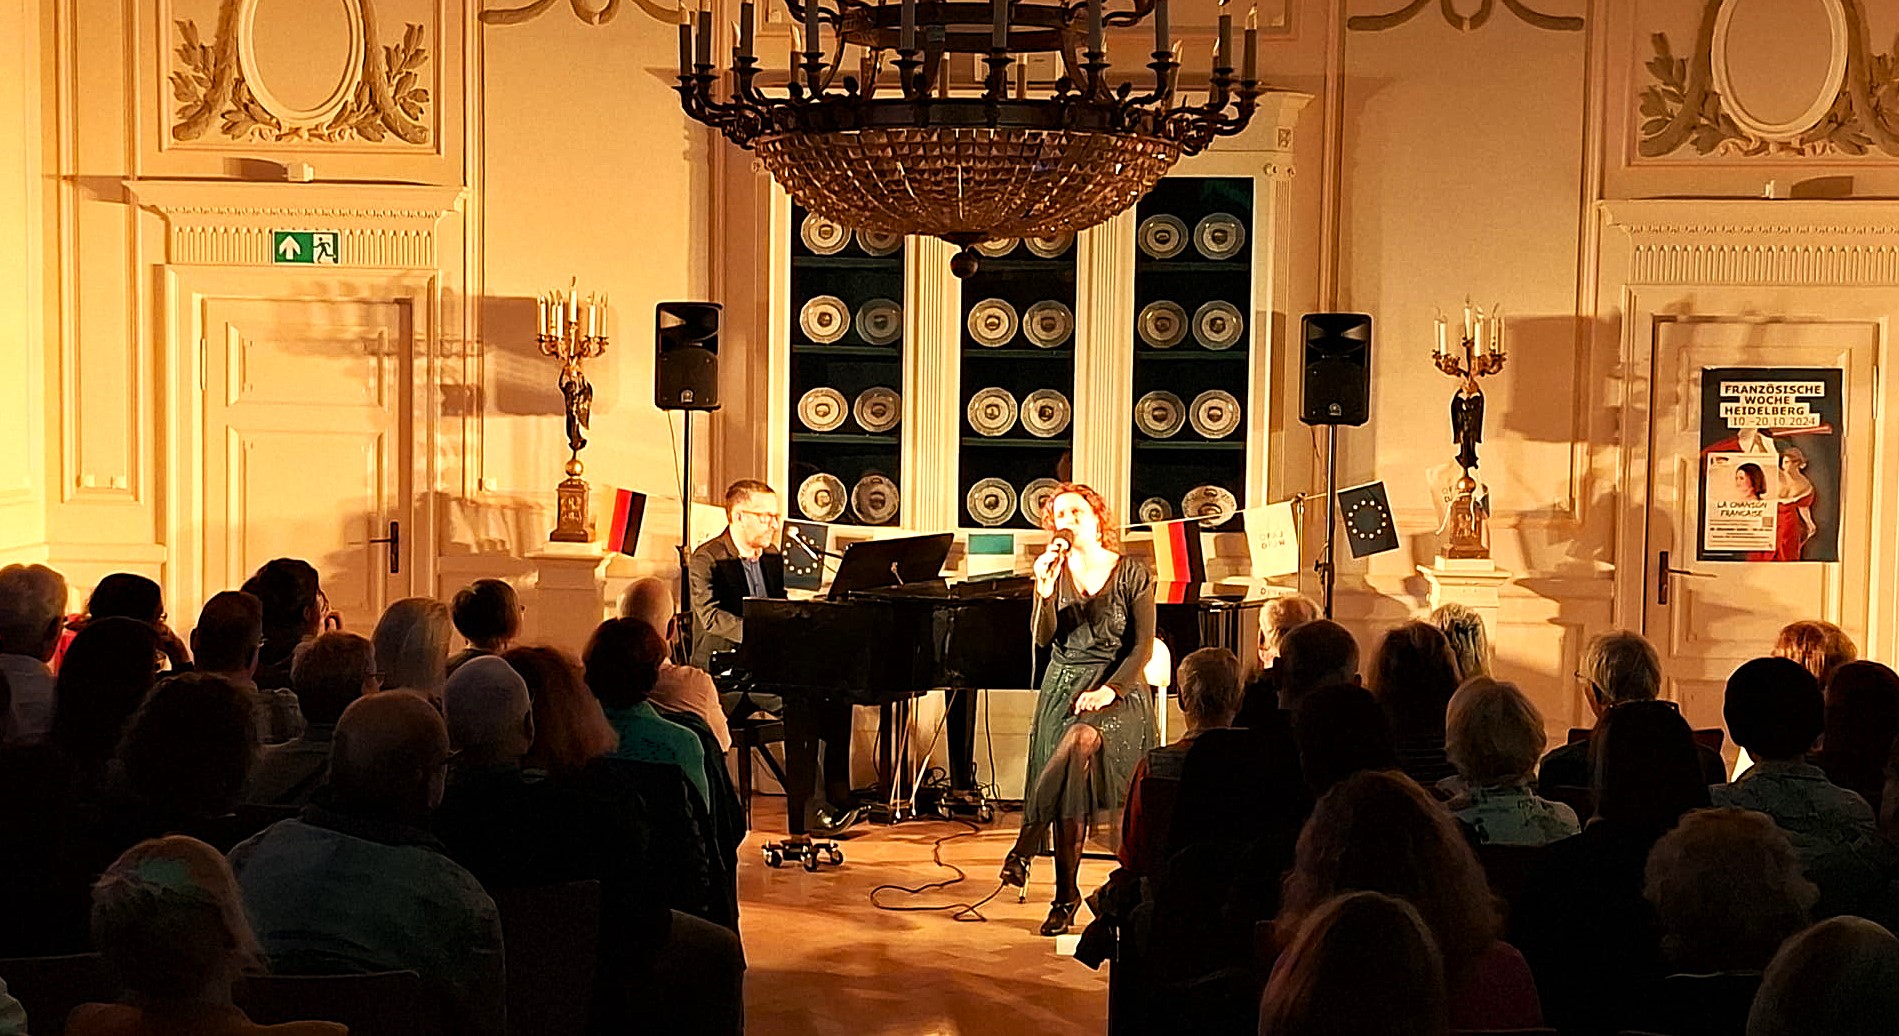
932,389
1104,350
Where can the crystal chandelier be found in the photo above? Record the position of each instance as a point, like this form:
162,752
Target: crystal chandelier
906,155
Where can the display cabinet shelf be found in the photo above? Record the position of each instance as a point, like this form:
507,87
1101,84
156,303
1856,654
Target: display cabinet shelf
1015,442
844,439
1191,445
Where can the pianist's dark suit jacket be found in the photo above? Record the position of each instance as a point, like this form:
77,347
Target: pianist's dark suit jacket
717,580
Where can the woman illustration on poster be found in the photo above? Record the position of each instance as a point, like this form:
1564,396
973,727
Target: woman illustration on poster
1793,522
1750,481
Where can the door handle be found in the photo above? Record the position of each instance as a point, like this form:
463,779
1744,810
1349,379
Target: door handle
394,539
1663,571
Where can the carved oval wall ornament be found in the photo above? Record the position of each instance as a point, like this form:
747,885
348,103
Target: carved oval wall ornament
290,29
1778,65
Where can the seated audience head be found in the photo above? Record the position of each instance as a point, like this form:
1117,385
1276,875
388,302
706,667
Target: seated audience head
108,670
294,606
1647,769
1493,733
1316,654
32,610
129,596
1619,666
570,729
390,757
622,661
169,921
330,671
1340,731
1464,628
1363,964
487,613
1281,616
489,717
1209,688
650,600
1413,675
1819,647
1727,887
229,634
1837,978
189,748
1774,709
1380,832
1862,723
411,642
753,515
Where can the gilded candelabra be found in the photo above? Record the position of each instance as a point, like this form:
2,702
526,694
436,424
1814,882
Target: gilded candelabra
1479,353
571,331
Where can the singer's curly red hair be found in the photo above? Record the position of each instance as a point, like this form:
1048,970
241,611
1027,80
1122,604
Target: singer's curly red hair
1104,515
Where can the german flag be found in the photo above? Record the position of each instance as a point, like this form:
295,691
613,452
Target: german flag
1177,553
628,510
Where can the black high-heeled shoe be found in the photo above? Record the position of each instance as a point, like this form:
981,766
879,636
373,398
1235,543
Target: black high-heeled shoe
1060,916
1015,869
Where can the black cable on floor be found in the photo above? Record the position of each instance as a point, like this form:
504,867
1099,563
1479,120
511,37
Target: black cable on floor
958,911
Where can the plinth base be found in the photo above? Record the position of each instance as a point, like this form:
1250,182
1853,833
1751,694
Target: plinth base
1474,582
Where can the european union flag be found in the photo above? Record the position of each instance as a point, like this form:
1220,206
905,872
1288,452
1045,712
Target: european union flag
804,567
1367,515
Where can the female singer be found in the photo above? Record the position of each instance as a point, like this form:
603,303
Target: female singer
1094,719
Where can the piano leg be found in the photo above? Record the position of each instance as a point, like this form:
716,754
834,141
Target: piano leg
801,760
962,738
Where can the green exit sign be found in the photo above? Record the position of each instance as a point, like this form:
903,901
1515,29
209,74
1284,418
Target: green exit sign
305,247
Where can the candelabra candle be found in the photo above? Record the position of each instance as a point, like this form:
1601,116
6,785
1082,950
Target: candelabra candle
1160,25
1224,53
907,38
745,29
1094,26
704,53
1251,65
999,33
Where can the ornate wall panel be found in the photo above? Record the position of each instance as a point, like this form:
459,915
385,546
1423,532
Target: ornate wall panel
355,89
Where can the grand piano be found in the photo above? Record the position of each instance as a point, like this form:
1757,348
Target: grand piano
890,629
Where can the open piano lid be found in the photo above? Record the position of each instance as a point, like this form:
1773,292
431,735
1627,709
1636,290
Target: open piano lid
877,563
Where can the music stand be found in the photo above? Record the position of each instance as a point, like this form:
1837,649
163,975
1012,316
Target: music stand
874,563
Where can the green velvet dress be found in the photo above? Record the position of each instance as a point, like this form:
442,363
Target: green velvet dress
1104,639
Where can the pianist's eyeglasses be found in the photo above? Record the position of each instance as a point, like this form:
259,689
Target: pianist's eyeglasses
768,517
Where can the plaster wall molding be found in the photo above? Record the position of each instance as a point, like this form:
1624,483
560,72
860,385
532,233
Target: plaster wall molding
206,225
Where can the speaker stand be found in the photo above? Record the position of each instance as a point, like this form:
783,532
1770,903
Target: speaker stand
685,537
1328,571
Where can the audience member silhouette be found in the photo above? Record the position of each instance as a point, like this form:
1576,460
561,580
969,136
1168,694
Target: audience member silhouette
1820,648
1494,736
1380,832
1279,617
1727,888
168,920
487,613
183,764
1413,675
679,688
127,595
1581,920
357,884
622,663
110,668
1362,964
1463,628
1862,722
411,642
1342,731
1616,667
32,614
294,611
226,641
327,673
1837,978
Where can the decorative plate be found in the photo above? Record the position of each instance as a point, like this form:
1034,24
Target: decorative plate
1214,414
1211,504
992,411
1219,236
998,248
991,501
1218,324
1036,496
879,409
879,322
1155,509
992,322
823,236
1161,237
1049,246
823,409
1162,324
1045,413
1048,324
876,242
1159,414
821,498
874,500
824,319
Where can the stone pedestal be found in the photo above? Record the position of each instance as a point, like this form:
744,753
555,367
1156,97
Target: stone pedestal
1475,582
569,595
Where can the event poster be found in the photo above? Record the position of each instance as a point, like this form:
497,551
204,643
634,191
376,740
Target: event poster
1770,463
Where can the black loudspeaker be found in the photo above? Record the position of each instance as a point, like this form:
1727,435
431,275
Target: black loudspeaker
686,366
1338,368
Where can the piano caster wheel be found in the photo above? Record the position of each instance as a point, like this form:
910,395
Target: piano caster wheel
804,852
811,862
834,856
987,814
773,858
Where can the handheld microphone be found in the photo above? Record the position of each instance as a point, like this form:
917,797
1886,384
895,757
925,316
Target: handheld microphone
1062,542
